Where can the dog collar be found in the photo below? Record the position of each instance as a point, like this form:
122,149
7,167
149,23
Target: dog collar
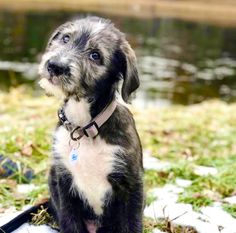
92,128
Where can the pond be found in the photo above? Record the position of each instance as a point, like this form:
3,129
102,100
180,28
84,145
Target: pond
179,62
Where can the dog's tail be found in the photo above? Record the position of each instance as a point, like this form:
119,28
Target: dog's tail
24,217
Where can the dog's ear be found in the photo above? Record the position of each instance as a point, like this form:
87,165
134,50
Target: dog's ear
130,74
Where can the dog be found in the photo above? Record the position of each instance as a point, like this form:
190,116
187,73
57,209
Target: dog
96,176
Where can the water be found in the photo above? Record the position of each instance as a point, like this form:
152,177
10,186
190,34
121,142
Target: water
179,62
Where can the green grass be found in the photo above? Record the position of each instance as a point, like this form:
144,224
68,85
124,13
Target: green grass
231,209
202,134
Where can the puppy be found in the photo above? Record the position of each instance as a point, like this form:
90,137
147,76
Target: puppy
96,176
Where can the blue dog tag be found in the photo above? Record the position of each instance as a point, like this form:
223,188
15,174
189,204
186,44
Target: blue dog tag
74,156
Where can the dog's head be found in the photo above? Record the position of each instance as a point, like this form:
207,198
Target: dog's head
86,56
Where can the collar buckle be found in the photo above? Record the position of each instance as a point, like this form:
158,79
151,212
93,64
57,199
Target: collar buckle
77,133
91,129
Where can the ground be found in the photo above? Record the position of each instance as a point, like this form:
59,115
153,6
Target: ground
184,139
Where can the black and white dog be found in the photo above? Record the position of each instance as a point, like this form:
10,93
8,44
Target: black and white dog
96,177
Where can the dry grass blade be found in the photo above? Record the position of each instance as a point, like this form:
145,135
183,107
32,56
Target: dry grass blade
43,217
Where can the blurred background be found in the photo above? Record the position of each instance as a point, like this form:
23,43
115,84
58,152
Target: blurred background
186,52
186,49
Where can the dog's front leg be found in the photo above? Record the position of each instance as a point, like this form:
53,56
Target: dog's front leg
69,216
128,203
70,219
135,209
69,223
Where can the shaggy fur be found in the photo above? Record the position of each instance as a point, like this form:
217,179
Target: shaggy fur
103,191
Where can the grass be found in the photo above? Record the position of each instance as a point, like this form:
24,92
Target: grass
230,209
202,134
166,225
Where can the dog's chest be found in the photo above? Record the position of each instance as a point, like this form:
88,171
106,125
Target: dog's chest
90,164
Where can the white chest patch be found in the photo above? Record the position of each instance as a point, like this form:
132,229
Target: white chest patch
89,165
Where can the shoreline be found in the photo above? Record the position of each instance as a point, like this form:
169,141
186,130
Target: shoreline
214,12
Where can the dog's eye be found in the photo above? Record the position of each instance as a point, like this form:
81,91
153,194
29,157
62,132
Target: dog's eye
66,38
95,56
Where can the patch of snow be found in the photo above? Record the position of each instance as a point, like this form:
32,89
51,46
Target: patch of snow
172,189
219,217
205,171
167,194
183,183
25,188
217,204
231,200
151,163
157,231
180,214
211,219
26,228
6,217
163,209
204,227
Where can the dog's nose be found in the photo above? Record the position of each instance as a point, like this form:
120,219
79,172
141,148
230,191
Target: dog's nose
57,68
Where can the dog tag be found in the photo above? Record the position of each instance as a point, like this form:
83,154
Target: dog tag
74,156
